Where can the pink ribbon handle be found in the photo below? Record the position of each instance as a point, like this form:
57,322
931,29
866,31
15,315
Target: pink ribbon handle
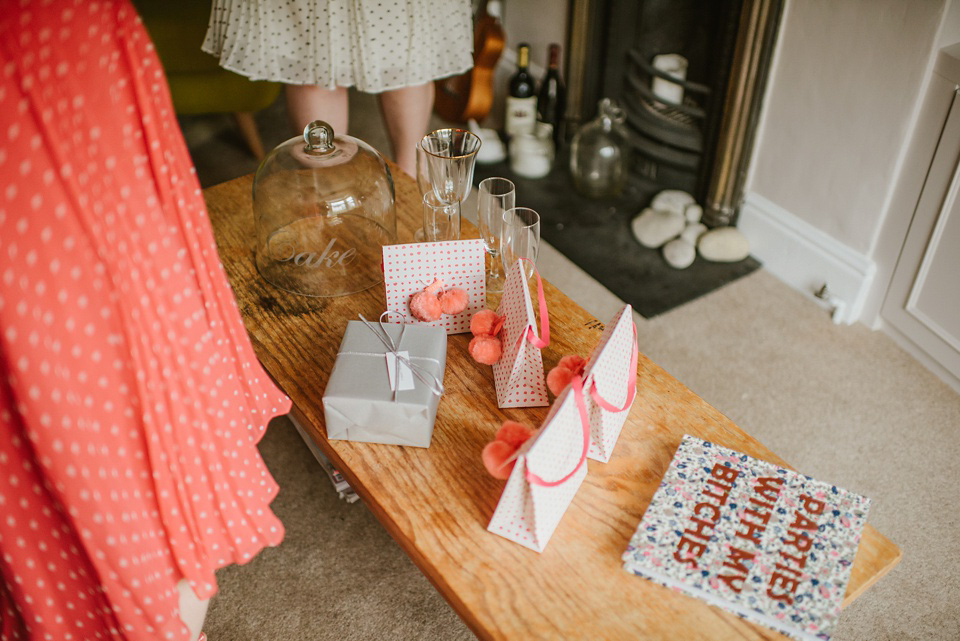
577,391
530,334
631,386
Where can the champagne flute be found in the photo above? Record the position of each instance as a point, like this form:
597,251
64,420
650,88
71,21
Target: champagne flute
424,184
441,220
520,238
451,155
496,196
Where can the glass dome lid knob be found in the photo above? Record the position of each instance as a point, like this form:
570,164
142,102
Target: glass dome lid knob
318,136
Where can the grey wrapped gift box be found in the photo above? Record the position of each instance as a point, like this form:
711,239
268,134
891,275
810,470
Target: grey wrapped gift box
359,403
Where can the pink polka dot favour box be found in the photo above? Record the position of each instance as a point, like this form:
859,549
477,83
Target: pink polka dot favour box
518,375
549,470
409,268
610,383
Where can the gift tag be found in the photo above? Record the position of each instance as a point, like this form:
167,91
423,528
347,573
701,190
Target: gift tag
406,376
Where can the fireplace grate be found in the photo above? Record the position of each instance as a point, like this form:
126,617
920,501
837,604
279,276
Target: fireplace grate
673,115
667,139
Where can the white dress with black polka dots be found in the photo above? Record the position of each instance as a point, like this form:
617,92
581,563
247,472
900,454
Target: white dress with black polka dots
373,45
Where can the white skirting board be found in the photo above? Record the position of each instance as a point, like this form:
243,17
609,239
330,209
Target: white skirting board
806,258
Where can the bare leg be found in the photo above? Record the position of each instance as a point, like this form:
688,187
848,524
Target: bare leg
407,114
306,103
192,610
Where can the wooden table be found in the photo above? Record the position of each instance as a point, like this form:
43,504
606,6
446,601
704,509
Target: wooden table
436,502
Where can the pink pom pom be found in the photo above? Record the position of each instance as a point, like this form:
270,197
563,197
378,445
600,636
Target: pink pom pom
494,458
561,375
453,301
508,440
485,349
514,433
558,379
425,306
435,287
573,363
483,322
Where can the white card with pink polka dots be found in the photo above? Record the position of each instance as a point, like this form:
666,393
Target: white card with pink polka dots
518,375
408,269
549,470
609,382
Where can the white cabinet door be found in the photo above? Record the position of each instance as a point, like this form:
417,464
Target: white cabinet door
923,302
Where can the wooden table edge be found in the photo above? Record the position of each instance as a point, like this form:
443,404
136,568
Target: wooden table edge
882,571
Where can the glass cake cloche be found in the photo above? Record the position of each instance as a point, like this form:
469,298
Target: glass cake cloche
323,207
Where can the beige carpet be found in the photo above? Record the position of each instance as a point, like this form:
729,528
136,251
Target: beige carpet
843,404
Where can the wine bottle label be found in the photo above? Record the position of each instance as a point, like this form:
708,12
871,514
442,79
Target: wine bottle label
521,116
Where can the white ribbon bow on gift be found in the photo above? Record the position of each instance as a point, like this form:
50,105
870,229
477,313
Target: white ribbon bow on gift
431,381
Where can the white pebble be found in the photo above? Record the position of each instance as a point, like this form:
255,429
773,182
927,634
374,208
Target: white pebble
724,245
653,227
672,200
679,253
693,213
692,232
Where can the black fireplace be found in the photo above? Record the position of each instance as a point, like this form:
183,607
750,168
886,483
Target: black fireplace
684,145
699,143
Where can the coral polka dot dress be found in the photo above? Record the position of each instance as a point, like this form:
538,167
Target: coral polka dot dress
131,401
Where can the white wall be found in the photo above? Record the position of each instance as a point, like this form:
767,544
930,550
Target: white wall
843,90
950,29
538,23
825,199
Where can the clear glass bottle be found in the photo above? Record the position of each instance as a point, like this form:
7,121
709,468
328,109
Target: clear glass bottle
598,153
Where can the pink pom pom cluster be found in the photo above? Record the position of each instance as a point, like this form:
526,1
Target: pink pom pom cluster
497,453
434,301
486,348
561,375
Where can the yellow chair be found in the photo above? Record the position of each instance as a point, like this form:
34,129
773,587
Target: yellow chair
197,83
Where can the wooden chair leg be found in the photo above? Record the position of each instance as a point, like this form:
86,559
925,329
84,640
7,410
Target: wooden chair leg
248,129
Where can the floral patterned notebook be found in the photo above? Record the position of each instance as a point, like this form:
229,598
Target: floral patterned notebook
770,545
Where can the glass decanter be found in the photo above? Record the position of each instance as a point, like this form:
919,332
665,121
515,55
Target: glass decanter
598,153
